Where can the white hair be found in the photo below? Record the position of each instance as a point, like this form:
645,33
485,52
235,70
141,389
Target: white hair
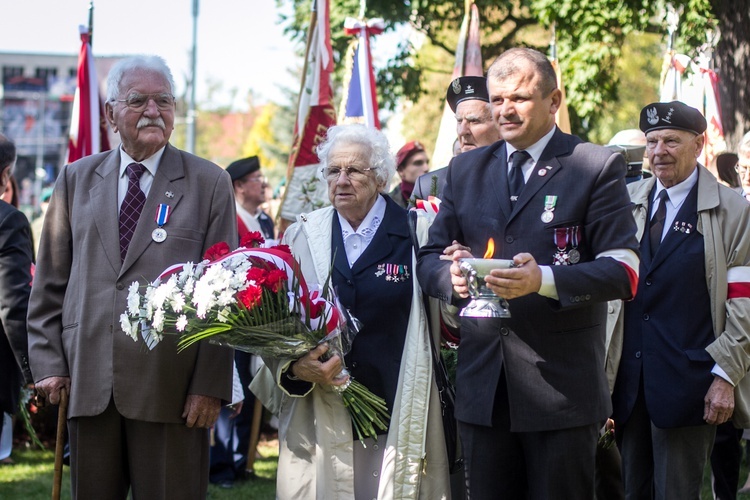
135,63
744,148
374,144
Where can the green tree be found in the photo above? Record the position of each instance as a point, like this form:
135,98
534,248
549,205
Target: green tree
591,37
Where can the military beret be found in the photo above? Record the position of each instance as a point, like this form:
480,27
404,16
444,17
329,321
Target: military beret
240,168
406,151
672,115
465,88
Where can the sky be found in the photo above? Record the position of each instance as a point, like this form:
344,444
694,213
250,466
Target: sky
240,42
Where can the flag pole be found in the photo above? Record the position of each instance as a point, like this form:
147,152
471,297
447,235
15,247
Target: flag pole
91,23
313,21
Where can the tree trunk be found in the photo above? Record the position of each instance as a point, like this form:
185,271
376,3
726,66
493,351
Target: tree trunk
732,63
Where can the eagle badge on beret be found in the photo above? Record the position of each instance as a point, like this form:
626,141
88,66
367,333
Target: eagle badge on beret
456,86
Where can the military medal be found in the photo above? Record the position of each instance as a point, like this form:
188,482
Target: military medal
561,257
574,255
162,216
549,207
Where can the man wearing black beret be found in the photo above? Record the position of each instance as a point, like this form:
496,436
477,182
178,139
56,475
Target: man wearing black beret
679,354
249,194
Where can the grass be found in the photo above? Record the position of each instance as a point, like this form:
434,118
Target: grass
31,477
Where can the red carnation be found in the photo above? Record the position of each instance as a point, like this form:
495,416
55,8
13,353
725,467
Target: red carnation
275,279
250,296
253,239
216,251
257,275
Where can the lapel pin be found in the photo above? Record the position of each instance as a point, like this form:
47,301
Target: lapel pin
169,194
541,173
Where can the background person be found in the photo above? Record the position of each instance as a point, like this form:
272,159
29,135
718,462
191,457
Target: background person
138,420
15,286
411,162
363,240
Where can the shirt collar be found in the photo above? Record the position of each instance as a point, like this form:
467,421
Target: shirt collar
371,221
535,150
678,192
151,163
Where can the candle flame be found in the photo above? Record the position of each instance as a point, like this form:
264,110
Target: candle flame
490,249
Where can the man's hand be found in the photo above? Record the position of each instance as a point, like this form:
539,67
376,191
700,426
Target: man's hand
521,280
449,251
201,411
719,402
460,288
311,369
48,389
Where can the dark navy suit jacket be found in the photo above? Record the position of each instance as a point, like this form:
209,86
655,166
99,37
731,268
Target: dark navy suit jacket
552,351
15,287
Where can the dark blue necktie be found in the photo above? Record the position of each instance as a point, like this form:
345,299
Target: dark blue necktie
515,176
657,222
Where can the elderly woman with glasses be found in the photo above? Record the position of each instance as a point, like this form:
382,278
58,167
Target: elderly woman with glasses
363,241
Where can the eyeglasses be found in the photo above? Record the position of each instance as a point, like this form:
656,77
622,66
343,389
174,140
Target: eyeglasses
262,180
742,169
139,102
353,173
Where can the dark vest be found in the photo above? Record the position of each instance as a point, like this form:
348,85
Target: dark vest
667,327
377,291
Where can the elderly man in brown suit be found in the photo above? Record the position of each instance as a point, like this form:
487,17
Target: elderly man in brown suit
138,419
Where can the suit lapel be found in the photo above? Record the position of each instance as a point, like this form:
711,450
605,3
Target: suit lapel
674,239
107,220
170,170
338,251
550,164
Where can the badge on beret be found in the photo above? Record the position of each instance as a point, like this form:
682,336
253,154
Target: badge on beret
456,86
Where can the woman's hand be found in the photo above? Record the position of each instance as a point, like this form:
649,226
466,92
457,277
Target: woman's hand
311,368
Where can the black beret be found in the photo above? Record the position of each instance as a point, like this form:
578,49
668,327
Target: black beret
467,87
240,168
674,115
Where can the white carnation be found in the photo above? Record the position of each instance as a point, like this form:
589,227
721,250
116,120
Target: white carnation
181,323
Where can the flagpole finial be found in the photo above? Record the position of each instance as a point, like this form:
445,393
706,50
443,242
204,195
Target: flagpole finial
91,23
362,8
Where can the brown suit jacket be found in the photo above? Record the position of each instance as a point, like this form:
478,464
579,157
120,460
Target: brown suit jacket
81,287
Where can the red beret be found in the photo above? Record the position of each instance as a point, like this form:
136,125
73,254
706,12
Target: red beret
406,151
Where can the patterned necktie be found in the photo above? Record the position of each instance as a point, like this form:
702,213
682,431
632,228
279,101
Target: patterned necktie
515,177
130,210
657,222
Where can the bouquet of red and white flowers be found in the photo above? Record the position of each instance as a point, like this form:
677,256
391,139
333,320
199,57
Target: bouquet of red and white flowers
256,300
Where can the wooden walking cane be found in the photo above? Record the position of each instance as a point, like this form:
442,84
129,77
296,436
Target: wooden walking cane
254,435
62,422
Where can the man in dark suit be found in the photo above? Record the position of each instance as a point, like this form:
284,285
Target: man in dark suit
15,285
138,420
467,97
683,339
531,393
250,193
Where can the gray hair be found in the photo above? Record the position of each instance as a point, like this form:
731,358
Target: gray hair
7,153
744,148
135,63
511,62
373,142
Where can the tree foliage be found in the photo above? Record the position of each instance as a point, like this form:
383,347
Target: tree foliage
591,35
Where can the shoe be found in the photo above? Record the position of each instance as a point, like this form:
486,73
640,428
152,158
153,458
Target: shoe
246,475
7,461
227,485
744,490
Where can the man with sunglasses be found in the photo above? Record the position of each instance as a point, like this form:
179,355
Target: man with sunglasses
138,419
411,162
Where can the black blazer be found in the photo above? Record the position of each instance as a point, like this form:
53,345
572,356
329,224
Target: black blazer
15,286
552,350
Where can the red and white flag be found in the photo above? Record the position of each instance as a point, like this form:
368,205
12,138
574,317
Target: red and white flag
88,131
360,103
468,63
305,190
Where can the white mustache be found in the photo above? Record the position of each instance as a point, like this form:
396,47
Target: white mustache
147,122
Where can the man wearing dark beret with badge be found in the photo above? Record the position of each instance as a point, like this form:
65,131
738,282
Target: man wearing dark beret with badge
249,194
679,349
467,97
531,394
